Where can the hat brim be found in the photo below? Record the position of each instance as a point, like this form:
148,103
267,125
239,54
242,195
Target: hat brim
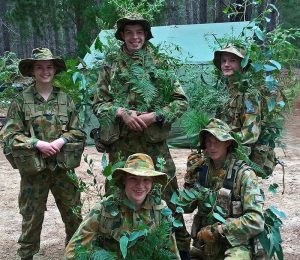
25,65
216,133
125,21
158,177
217,58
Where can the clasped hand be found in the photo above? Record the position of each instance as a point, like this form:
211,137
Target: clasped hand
49,149
136,122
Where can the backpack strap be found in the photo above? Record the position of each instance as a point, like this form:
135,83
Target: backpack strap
235,166
202,173
62,101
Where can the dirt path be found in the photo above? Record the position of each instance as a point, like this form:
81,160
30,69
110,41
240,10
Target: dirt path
52,239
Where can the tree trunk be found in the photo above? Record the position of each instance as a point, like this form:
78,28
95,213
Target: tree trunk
202,11
174,14
219,16
67,39
195,11
188,11
274,18
5,31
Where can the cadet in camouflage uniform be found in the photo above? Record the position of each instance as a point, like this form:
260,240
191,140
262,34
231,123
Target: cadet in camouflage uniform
103,227
238,192
41,122
243,111
129,131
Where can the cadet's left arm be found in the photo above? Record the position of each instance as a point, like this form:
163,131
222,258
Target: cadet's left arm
251,120
177,105
239,230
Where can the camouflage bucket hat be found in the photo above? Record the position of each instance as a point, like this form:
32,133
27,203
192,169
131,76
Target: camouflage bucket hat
40,54
133,19
218,129
239,52
139,164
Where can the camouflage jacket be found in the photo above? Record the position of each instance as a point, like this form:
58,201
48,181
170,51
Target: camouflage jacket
243,113
45,120
110,87
249,222
102,229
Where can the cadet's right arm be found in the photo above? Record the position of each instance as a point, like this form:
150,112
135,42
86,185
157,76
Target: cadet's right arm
14,129
84,238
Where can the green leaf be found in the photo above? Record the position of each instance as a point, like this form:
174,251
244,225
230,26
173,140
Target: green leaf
98,44
271,104
267,19
184,195
174,198
177,223
269,67
166,212
245,60
206,204
104,161
107,170
275,8
212,198
226,10
281,104
218,217
135,235
179,210
190,194
123,245
76,76
276,64
220,210
273,188
259,33
257,66
277,212
263,238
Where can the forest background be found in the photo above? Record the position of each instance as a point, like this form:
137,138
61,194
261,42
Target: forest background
68,27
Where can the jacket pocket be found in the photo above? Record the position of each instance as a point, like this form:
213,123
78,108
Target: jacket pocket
29,161
8,154
70,155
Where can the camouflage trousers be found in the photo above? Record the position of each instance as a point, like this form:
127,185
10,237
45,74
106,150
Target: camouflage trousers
128,145
34,190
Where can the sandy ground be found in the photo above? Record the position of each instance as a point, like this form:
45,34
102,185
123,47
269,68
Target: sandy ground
52,238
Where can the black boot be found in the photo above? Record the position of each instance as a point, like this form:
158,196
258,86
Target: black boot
184,255
27,258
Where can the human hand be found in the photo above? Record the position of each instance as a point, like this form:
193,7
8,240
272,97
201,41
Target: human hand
46,148
194,160
131,119
148,118
58,143
207,235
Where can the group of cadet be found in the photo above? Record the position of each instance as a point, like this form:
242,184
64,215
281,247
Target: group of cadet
43,139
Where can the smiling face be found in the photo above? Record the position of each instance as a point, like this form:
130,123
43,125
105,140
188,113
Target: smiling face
137,188
215,149
230,63
43,71
134,37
